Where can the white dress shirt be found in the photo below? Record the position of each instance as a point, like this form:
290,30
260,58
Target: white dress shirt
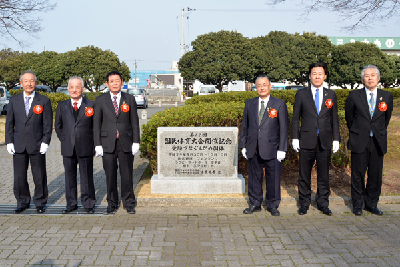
374,92
265,102
321,94
30,100
78,104
118,97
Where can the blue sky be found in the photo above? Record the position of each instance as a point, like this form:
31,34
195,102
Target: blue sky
149,31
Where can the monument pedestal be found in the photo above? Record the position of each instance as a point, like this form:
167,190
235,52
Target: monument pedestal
197,160
198,185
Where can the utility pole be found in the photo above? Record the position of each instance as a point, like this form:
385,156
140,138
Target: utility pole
135,72
182,44
187,16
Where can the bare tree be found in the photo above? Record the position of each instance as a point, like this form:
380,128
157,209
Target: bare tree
359,12
18,16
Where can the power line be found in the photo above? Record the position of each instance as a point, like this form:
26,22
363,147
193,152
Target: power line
146,60
250,10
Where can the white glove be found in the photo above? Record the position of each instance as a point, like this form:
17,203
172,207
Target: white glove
11,148
280,155
99,151
296,145
335,146
43,148
244,151
135,148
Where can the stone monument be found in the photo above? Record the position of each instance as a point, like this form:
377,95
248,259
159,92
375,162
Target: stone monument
197,160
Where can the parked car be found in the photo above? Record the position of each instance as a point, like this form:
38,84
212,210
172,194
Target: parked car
43,88
60,88
208,89
4,99
172,87
140,96
64,91
294,87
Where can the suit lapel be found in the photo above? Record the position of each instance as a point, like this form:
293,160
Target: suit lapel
81,110
20,101
68,109
311,99
364,100
270,103
324,98
110,104
255,109
378,96
35,101
122,101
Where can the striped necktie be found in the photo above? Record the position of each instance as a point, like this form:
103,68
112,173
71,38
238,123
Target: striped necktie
261,113
27,98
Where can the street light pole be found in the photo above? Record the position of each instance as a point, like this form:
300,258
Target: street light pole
135,72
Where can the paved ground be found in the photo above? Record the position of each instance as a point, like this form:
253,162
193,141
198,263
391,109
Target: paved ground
187,236
202,237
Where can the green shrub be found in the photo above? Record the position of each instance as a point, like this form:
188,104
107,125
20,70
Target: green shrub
55,98
221,110
92,95
201,115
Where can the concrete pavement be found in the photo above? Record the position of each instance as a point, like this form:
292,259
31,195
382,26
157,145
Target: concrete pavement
194,235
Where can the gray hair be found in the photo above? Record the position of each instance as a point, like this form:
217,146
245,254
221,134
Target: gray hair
370,67
262,76
25,72
76,78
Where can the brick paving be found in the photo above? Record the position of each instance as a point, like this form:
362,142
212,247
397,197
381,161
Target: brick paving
188,236
210,237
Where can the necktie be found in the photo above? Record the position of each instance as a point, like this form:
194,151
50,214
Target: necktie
75,106
261,113
316,100
371,109
372,105
116,110
27,98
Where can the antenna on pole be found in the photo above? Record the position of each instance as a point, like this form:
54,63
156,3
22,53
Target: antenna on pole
187,16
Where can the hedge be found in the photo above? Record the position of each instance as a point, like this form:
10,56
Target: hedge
226,109
287,95
55,98
218,114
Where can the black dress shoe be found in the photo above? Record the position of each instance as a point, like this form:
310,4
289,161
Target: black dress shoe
89,210
252,209
130,209
110,210
357,211
40,209
375,211
326,211
274,211
19,210
302,210
68,210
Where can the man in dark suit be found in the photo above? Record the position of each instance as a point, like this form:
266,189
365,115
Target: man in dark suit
28,133
316,108
117,136
368,113
74,128
264,139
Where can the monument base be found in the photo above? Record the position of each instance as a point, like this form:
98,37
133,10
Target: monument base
198,185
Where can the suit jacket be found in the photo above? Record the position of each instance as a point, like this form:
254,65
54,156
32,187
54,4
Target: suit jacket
79,133
106,123
270,135
28,132
327,121
360,123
